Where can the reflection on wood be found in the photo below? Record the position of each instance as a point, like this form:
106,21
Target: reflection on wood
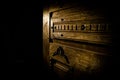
85,35
82,60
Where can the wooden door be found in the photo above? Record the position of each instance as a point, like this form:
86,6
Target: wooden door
80,41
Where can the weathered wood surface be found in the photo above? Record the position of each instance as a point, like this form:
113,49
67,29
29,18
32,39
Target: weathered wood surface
81,23
81,59
85,34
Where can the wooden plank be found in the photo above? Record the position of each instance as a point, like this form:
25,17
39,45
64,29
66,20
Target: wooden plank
91,37
80,59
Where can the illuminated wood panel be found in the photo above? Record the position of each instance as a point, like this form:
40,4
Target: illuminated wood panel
81,40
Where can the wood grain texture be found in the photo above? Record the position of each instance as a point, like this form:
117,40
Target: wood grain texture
85,34
80,59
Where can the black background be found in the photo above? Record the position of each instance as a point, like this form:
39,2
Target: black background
25,33
22,29
22,23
